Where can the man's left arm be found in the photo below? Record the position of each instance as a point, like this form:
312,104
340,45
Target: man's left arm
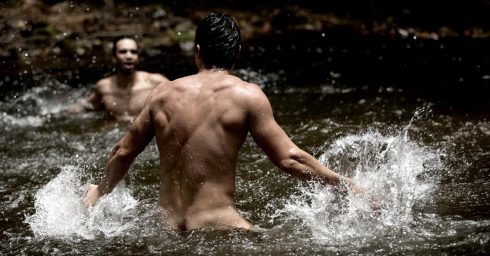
140,133
287,156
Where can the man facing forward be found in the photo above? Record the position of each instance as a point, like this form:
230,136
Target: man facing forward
122,94
200,122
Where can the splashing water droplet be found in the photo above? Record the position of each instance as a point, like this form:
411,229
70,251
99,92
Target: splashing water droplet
60,212
387,165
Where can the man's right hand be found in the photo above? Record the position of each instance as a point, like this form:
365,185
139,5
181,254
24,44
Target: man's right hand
92,196
74,108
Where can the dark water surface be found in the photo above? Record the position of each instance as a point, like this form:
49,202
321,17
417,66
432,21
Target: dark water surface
429,166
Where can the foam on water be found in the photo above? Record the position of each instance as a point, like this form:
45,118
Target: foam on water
265,80
49,98
388,166
25,121
60,212
34,107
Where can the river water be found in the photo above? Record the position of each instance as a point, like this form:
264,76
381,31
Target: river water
429,167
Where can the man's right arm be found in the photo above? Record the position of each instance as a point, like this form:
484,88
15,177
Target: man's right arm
90,103
140,133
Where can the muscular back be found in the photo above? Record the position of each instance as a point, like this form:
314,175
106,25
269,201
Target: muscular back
200,123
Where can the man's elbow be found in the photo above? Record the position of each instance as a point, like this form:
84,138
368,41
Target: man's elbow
123,154
286,164
293,163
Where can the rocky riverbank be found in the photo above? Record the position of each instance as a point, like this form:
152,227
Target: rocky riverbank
70,41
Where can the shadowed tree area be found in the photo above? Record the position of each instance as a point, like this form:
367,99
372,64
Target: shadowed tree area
435,48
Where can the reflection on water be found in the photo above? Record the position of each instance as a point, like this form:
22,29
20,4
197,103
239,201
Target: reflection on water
428,167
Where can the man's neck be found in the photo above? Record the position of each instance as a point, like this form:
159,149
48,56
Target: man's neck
125,80
204,70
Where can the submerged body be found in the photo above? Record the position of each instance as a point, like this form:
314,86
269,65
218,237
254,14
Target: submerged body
200,123
122,94
124,99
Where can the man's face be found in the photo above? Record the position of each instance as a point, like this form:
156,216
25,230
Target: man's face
126,55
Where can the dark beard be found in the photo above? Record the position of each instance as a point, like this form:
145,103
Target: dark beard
124,71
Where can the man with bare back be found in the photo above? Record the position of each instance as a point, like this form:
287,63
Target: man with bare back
124,93
200,123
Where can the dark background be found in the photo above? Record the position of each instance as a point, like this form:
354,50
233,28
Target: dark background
436,50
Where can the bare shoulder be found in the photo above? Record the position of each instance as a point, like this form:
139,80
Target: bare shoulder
159,92
253,90
157,78
251,93
182,82
103,84
170,90
153,78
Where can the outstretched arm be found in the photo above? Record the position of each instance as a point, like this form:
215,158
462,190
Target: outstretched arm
284,153
140,133
90,103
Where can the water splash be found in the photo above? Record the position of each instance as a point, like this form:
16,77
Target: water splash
264,80
388,166
49,98
60,212
25,121
36,106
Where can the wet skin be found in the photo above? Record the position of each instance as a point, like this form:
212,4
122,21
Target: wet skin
200,123
124,93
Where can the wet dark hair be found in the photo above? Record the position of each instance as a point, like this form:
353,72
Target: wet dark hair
119,38
219,39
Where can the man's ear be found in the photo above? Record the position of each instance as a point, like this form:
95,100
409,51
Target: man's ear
239,52
197,56
197,53
237,56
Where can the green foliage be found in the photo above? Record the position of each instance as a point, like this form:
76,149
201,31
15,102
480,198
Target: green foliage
179,36
11,2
